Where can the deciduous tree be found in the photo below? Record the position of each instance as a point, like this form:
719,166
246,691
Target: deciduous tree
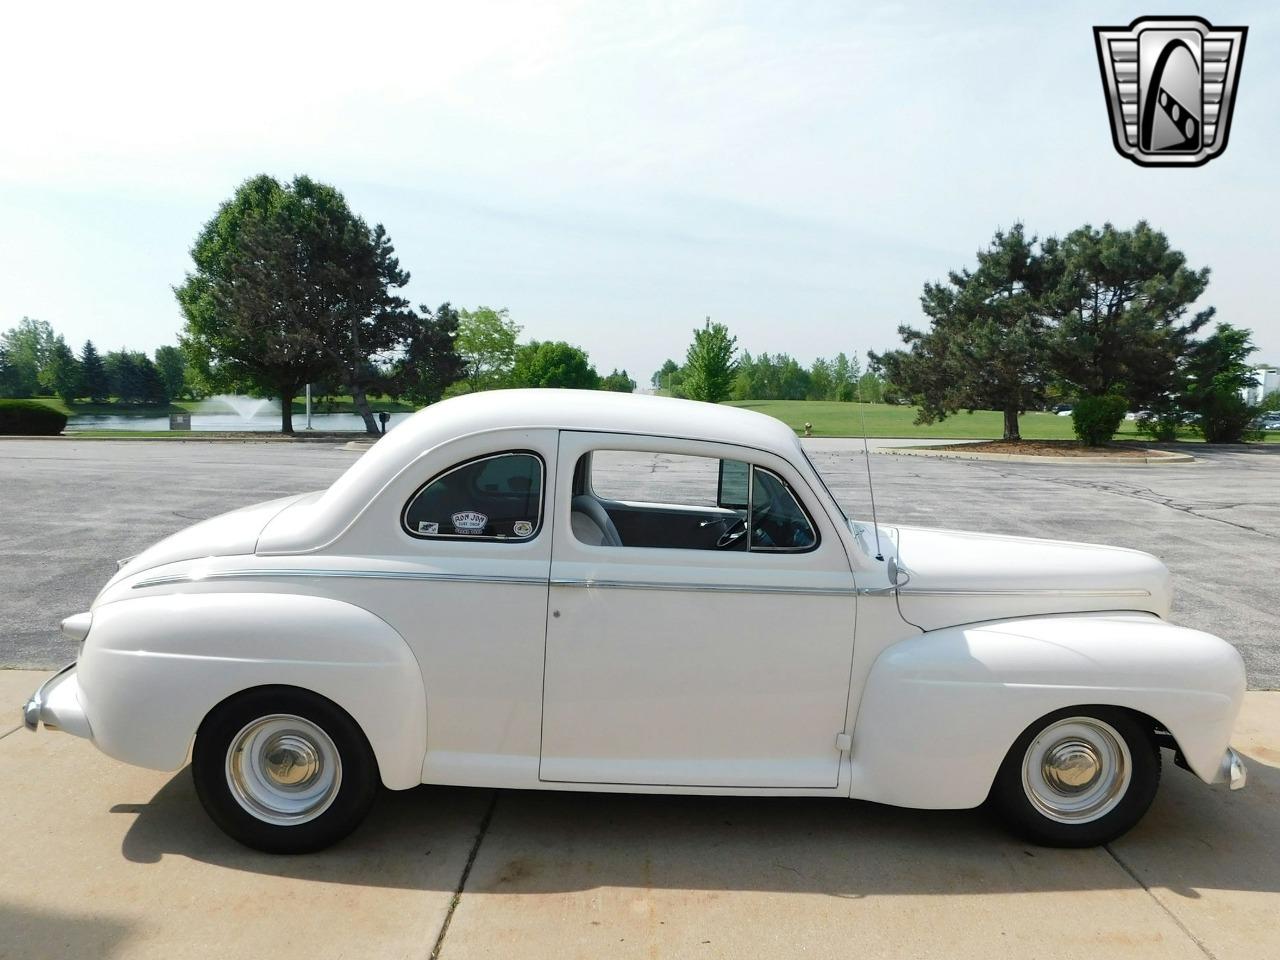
663,377
618,381
27,347
710,364
487,342
553,364
172,367
291,287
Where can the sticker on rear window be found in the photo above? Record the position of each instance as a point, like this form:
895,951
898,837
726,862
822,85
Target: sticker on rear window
469,523
522,528
428,526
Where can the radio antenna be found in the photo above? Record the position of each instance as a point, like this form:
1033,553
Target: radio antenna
866,455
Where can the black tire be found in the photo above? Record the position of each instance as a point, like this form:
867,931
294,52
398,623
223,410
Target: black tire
346,788
1013,796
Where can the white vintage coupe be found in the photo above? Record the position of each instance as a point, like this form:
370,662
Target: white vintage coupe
565,590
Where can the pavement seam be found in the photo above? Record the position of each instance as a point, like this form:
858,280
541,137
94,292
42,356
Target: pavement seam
1159,903
462,880
7,732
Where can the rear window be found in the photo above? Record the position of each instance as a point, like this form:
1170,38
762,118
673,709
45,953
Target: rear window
494,498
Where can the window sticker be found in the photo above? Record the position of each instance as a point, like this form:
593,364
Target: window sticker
469,523
522,528
428,527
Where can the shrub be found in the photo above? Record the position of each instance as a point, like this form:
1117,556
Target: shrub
1162,422
1223,416
30,418
1096,419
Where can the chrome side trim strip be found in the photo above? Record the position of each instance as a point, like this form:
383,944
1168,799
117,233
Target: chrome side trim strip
703,587
1033,592
274,573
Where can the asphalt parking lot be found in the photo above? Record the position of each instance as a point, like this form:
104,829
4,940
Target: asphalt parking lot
69,509
109,861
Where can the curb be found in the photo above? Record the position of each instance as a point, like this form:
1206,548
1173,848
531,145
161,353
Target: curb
1155,459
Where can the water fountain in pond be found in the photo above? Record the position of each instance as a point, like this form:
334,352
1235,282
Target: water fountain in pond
246,408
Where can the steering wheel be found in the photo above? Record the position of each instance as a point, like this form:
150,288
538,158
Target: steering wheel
732,533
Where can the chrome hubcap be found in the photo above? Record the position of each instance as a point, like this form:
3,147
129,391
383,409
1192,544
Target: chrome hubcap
1071,766
1076,770
283,769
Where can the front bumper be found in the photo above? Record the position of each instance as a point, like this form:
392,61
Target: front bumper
56,704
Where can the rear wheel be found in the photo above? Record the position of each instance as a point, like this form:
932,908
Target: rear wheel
284,770
1078,777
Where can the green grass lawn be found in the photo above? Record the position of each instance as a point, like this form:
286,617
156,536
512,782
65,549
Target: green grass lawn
833,419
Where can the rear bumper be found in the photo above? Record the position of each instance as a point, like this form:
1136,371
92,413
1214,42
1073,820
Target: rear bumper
56,704
1232,770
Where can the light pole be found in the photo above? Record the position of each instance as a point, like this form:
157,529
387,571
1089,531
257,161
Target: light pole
308,406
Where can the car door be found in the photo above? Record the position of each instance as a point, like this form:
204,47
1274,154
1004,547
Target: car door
694,667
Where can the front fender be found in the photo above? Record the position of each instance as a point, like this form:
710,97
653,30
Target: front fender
941,709
153,667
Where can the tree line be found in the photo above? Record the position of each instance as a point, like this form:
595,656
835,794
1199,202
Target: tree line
714,371
35,361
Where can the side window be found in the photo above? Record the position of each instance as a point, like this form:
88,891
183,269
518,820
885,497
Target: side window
625,498
496,497
654,477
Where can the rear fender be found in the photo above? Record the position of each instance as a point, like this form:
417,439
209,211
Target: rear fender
941,709
153,667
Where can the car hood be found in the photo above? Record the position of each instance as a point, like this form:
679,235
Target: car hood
225,535
949,577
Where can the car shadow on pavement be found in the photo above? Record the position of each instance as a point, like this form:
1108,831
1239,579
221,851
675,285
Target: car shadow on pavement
32,932
1195,837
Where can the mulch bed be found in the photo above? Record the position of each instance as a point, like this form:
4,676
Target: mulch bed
1048,448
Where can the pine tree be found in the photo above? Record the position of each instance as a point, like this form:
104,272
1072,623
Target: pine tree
986,346
64,371
94,383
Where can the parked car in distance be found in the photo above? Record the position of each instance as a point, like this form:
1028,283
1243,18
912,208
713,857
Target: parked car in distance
573,590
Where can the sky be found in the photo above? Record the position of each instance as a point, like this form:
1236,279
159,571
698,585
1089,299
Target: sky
612,173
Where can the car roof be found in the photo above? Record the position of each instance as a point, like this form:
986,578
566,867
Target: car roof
595,411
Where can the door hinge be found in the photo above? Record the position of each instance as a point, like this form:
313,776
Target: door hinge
844,741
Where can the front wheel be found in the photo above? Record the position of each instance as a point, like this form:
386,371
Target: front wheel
284,770
1078,777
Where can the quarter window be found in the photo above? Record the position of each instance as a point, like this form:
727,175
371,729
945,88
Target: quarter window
497,497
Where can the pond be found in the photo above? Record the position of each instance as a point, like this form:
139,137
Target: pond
265,422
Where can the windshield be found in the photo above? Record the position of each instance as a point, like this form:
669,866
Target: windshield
823,481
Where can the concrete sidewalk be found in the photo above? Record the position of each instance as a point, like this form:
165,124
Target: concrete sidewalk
103,860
